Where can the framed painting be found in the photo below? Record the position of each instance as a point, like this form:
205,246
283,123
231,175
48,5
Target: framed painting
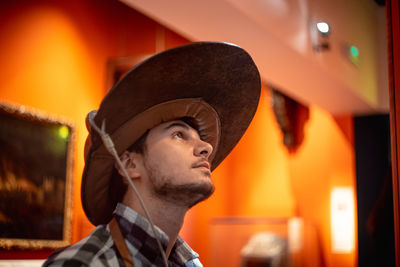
36,154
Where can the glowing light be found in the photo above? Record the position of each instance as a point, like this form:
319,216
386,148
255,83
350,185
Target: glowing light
352,54
296,232
342,220
323,27
63,132
354,51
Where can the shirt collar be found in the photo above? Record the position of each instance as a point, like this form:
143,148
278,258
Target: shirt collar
137,231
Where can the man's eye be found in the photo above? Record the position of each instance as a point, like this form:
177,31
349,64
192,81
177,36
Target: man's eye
178,135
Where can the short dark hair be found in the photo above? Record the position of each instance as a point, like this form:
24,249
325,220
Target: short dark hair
140,145
118,186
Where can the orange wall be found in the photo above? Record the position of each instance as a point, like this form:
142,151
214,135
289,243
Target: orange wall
54,56
325,160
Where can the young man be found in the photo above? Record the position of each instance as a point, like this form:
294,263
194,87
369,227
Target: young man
173,119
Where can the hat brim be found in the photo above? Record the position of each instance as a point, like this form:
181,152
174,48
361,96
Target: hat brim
216,83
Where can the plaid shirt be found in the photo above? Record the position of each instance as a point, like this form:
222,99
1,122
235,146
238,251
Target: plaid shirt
98,248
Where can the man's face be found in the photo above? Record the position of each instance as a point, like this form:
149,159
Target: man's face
176,162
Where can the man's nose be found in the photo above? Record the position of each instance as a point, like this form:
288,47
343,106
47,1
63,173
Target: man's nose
203,149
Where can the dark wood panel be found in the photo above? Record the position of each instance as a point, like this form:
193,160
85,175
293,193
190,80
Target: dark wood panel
393,23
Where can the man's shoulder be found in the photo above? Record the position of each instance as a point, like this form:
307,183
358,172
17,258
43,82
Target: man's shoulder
95,249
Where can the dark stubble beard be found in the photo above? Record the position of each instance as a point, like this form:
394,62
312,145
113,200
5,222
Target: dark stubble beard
185,195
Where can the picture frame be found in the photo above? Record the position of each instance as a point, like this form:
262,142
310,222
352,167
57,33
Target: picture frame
36,168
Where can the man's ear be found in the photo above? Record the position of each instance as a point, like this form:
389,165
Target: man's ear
130,162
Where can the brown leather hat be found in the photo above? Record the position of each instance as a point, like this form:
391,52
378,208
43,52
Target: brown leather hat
216,84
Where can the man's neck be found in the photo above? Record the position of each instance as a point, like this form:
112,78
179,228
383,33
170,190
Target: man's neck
166,216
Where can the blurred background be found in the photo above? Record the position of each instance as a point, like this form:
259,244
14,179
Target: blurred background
311,177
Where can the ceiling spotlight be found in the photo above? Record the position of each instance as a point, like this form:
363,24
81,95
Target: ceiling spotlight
319,34
323,27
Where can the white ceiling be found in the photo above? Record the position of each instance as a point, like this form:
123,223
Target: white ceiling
278,34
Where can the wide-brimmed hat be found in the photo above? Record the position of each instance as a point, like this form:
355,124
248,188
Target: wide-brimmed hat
216,84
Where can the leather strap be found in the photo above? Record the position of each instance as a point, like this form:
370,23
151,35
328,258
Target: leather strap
120,243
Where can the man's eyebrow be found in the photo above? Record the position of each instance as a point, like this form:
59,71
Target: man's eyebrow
177,124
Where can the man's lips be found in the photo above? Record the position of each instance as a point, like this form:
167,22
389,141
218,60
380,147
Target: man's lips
202,164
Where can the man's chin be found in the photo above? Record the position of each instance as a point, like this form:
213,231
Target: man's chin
188,194
202,192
